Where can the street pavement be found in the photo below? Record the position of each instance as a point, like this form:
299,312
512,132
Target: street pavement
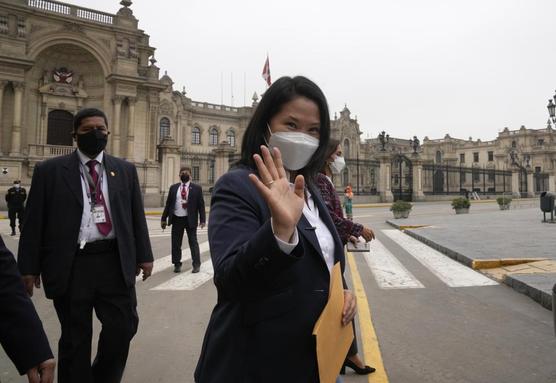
424,316
513,246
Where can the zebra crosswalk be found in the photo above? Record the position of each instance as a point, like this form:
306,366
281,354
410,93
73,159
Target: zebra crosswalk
387,269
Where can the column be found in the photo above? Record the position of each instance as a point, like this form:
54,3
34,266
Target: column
221,159
417,186
530,184
515,183
2,86
16,129
130,130
116,126
384,179
552,183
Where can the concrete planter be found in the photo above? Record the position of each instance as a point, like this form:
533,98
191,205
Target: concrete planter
401,214
462,210
505,206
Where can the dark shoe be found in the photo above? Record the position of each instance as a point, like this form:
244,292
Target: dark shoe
177,268
195,269
358,370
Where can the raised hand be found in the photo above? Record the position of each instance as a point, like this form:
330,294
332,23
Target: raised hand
285,204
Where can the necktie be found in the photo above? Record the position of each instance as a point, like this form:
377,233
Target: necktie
105,227
184,196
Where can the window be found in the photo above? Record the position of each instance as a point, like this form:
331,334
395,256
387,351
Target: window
195,174
491,176
462,158
231,138
164,128
346,148
540,142
438,157
476,175
514,144
537,169
213,136
490,156
211,172
476,157
196,136
60,127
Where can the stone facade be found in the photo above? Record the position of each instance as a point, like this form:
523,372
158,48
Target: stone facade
56,58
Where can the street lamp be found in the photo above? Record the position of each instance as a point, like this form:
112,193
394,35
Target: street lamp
552,109
414,144
383,138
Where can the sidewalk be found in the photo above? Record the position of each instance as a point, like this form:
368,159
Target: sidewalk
512,246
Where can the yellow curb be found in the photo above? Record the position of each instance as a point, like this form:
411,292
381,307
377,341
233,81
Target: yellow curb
3,217
153,213
407,227
495,263
369,340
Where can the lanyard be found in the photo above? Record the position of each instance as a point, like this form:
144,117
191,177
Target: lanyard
89,181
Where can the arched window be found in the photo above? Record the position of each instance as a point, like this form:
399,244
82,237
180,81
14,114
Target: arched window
514,144
60,127
164,128
231,136
346,149
213,136
196,136
438,156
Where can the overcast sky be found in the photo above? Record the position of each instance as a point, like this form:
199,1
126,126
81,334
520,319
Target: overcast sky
425,68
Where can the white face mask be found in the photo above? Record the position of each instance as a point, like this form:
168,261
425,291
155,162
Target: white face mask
338,165
296,148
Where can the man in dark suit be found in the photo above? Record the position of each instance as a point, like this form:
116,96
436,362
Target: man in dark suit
15,198
88,239
184,205
21,332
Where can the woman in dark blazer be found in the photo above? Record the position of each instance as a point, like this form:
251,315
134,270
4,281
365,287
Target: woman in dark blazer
273,245
347,229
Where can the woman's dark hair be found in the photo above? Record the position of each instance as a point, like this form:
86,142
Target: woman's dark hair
331,149
282,91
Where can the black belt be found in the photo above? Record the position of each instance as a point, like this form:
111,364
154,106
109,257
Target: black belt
101,246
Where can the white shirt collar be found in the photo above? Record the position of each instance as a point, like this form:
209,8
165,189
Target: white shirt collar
84,158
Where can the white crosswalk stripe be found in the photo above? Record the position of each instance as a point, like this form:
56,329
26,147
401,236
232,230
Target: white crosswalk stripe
389,273
164,263
449,271
188,280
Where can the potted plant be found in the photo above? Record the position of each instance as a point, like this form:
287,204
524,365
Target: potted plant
461,205
401,209
504,202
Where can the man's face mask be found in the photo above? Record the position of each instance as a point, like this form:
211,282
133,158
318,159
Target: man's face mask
93,142
296,148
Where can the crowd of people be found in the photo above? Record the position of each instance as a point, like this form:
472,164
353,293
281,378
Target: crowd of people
276,229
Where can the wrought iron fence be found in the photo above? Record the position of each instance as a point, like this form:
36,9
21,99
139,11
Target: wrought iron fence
446,179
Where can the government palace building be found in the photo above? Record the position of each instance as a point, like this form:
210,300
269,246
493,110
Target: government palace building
56,58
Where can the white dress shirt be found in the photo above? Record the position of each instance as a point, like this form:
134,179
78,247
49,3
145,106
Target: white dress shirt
325,238
179,211
88,231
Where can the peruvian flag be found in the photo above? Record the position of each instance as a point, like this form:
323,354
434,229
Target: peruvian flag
266,72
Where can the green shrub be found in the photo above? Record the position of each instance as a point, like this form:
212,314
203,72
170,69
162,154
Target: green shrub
401,206
503,200
460,203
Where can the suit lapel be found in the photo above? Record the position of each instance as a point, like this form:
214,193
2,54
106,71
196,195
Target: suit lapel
73,178
114,178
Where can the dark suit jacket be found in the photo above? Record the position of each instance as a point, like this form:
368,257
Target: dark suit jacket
195,204
48,242
21,332
268,301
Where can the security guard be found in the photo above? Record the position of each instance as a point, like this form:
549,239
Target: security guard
15,198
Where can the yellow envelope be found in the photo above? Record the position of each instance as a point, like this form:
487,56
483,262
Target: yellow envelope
333,339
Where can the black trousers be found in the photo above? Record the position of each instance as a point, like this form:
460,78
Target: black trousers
14,212
179,225
96,283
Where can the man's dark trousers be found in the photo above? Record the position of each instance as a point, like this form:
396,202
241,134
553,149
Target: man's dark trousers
96,283
13,213
179,224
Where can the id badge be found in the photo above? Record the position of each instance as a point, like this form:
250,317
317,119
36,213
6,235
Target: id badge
98,214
